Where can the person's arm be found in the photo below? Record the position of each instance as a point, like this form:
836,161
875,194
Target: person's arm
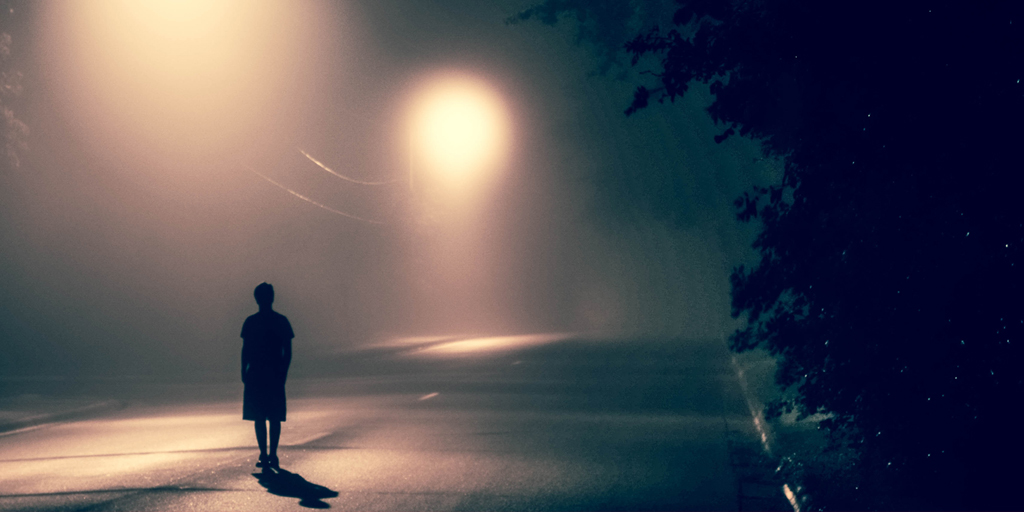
286,346
245,359
286,358
245,349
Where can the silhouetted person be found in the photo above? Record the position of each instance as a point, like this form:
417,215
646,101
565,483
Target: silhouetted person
266,354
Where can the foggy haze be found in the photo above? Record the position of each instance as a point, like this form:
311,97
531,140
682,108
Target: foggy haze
135,233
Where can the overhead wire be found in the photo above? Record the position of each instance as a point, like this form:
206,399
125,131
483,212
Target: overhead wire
342,176
308,200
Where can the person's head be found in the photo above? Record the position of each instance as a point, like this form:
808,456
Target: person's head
264,294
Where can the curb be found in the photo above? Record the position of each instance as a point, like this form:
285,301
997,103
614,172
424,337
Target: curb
40,420
795,497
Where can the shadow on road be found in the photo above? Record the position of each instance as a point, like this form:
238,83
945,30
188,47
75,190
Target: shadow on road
292,485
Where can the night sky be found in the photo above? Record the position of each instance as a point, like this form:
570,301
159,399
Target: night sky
135,230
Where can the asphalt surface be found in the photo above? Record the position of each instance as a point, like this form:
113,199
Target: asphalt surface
508,425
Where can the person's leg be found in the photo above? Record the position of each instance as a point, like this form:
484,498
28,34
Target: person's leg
275,438
261,437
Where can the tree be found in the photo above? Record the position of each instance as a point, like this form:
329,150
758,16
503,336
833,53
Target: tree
887,285
15,132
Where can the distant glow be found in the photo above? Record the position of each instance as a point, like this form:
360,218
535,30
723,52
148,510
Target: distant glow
181,20
459,131
180,75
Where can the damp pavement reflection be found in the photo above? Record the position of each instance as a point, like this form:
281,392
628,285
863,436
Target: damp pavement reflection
551,423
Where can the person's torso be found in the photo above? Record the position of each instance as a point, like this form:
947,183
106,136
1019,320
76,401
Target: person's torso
266,336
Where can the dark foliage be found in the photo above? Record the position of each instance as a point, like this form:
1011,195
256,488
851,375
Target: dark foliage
13,131
605,39
888,285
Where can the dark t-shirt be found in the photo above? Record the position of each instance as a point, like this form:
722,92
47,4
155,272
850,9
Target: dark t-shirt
267,346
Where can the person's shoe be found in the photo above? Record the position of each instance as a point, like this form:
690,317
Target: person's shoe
264,461
274,462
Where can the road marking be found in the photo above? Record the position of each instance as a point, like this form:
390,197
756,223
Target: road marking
25,429
428,397
791,497
756,412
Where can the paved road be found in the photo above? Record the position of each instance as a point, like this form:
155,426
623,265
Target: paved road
482,425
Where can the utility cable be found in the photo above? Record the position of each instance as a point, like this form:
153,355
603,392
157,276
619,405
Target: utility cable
308,200
342,176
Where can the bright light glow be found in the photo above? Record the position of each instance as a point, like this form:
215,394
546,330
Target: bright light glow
495,343
178,76
459,131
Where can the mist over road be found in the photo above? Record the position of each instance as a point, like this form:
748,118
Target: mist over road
490,424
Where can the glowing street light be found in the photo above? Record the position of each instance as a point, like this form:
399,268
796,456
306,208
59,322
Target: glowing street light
459,133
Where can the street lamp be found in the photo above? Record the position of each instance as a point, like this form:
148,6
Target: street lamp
459,131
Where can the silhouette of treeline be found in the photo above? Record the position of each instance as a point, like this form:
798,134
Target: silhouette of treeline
13,132
887,285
